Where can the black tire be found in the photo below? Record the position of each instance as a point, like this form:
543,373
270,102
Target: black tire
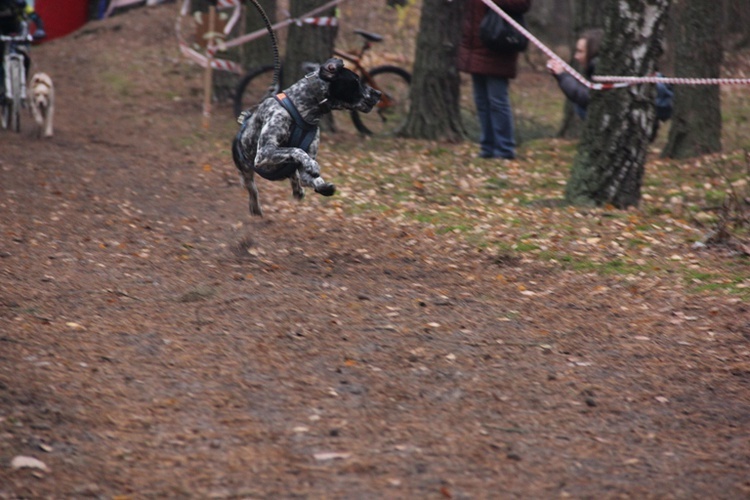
12,107
16,77
5,113
386,119
253,88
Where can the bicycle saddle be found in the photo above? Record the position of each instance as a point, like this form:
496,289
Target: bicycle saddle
370,37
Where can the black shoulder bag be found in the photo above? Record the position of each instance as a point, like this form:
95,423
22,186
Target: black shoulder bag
499,35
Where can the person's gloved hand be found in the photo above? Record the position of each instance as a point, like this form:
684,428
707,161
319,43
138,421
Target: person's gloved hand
39,34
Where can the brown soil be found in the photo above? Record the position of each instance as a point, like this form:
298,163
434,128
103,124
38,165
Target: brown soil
157,342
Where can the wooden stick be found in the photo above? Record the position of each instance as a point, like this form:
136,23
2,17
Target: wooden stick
208,76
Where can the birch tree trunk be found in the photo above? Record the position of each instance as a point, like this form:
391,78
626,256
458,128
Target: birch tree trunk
609,166
434,93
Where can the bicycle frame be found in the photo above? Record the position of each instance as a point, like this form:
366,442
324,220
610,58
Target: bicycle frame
8,61
14,68
12,43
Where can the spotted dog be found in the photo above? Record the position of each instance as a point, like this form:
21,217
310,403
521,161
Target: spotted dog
279,140
42,102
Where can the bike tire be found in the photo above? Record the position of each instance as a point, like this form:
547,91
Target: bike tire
16,77
387,117
5,114
253,88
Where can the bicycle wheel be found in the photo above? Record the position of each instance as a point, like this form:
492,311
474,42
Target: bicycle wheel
12,105
253,88
5,113
389,115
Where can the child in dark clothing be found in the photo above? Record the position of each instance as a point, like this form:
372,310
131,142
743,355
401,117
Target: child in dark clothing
587,51
586,54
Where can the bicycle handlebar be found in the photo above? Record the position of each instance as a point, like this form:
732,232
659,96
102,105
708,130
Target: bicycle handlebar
16,38
22,36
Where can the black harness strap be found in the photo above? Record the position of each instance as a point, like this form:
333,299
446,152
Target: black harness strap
303,133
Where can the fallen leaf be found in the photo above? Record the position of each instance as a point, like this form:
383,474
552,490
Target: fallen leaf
22,462
331,455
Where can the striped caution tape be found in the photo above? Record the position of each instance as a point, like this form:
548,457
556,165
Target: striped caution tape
215,43
225,65
632,80
327,21
263,32
612,82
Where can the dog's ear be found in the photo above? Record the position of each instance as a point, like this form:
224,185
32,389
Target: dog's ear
330,69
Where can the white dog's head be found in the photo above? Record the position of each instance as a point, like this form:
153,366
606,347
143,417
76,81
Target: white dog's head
41,89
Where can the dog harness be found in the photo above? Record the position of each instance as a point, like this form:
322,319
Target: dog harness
303,133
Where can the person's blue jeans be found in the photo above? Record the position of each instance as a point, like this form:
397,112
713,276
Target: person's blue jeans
497,139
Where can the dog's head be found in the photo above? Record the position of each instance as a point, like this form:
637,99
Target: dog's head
41,88
40,96
345,89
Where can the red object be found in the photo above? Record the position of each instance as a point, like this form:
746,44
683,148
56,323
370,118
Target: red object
61,18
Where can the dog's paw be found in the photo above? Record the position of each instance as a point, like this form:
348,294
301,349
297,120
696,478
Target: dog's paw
326,189
255,209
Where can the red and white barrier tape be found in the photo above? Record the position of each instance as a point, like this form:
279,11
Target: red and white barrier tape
204,59
327,21
632,80
224,65
263,32
611,82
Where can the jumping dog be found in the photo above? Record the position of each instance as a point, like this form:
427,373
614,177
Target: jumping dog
279,140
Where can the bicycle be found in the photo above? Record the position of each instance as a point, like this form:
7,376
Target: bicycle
14,97
392,81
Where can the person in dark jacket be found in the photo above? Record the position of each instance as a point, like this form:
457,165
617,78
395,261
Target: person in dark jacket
587,51
586,55
491,73
12,15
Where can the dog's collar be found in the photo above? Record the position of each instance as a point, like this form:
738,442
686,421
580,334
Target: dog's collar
323,104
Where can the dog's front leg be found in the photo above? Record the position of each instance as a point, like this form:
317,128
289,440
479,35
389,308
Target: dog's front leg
48,121
316,182
273,159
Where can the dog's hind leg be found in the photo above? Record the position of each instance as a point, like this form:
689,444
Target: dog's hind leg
248,180
247,176
297,190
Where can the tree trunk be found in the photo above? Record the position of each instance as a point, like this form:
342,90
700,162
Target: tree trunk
435,89
587,14
696,119
609,166
308,43
736,22
257,52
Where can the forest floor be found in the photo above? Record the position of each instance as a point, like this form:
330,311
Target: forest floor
438,329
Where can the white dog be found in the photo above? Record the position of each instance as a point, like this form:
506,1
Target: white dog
42,102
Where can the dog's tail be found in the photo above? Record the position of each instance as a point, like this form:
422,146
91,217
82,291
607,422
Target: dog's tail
275,47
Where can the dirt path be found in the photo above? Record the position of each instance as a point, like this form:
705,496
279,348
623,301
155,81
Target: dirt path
156,342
